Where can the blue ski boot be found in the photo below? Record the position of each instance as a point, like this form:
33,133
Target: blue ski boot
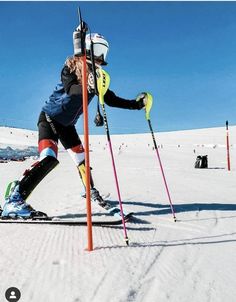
15,207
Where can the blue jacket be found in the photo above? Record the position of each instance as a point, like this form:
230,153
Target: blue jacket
64,108
65,105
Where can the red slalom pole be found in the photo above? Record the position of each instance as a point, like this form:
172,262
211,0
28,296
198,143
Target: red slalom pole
81,52
87,161
227,144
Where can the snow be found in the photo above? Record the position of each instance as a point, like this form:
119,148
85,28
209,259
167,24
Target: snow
192,259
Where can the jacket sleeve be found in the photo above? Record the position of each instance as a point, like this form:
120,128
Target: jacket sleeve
114,101
70,82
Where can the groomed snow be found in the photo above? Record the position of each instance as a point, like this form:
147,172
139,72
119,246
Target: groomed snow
192,259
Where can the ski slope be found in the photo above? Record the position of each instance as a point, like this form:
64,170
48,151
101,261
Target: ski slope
192,259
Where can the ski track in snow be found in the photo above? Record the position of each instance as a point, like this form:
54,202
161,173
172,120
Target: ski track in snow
192,259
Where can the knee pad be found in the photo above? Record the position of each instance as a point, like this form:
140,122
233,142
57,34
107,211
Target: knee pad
77,154
47,147
32,177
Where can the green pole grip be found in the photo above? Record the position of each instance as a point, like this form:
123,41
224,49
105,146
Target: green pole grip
103,82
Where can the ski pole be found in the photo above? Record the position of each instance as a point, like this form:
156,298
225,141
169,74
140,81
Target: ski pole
80,51
103,82
227,143
148,107
98,119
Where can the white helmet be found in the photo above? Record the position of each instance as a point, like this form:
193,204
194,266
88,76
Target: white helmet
100,47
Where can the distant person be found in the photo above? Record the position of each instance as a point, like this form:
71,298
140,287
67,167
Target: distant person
57,122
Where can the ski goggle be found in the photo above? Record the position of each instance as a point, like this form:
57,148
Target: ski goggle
100,51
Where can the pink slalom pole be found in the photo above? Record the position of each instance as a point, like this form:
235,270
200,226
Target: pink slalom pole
164,178
118,191
162,170
115,174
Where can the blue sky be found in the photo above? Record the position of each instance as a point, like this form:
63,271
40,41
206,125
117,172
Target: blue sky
184,53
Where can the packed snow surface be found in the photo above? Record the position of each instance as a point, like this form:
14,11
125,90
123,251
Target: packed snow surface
192,259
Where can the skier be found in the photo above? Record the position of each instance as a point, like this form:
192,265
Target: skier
57,122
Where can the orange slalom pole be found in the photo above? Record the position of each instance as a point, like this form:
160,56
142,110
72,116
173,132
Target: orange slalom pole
86,147
227,145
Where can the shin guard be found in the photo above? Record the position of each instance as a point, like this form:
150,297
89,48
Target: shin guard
33,176
81,169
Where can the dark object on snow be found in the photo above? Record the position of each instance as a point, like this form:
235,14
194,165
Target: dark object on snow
201,162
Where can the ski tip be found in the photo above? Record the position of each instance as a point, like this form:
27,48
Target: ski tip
128,216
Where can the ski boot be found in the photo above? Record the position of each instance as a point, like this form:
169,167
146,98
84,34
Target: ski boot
113,210
96,197
15,206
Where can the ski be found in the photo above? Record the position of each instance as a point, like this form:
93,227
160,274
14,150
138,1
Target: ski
69,222
105,204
